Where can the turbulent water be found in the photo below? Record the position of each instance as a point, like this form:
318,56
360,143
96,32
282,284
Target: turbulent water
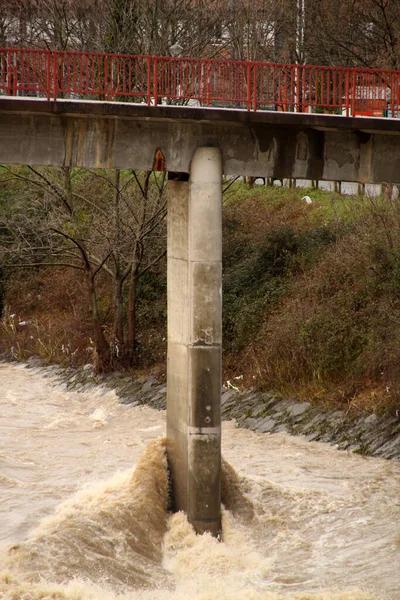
83,509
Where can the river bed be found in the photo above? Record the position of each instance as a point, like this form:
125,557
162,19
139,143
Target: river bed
83,509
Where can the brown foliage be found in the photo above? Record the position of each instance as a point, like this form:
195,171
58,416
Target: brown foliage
338,333
47,315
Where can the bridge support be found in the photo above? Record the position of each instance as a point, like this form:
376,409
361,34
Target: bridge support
194,339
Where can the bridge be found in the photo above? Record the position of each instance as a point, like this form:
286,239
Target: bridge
198,120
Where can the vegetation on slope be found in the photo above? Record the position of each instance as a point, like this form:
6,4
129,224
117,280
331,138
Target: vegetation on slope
311,299
109,226
315,290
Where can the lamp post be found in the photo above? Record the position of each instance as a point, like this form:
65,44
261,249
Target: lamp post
175,68
300,26
233,29
300,30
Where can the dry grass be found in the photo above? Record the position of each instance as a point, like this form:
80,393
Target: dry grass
332,330
311,302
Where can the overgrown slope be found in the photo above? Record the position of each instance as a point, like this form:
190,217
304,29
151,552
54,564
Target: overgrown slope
312,296
311,300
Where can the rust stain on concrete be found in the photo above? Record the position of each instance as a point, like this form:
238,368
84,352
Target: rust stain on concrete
159,161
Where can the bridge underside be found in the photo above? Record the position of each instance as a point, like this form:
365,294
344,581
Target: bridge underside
273,144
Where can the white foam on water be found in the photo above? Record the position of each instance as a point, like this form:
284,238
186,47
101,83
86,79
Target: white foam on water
302,521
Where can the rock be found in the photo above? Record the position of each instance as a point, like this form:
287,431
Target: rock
149,384
282,405
228,396
267,425
371,420
298,409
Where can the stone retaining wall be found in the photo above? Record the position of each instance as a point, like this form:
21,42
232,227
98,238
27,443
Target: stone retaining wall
366,434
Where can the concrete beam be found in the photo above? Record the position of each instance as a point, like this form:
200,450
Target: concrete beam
269,145
194,340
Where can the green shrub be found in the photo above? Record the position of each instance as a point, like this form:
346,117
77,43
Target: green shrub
266,245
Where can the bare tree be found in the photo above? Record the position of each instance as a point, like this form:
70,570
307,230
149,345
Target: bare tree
71,223
136,238
353,33
151,27
53,24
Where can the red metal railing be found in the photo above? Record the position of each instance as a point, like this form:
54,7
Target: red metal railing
165,80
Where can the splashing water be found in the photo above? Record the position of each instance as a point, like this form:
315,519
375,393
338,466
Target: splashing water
301,521
111,533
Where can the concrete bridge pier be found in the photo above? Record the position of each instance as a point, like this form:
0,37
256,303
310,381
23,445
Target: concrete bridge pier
195,338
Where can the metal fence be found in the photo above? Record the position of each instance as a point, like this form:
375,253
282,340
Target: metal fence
225,83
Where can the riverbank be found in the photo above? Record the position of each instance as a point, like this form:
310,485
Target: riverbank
310,302
261,412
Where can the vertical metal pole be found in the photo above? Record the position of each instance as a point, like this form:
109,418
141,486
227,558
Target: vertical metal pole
15,80
297,103
255,78
353,94
106,77
148,80
55,76
9,73
155,81
392,93
233,7
209,72
249,86
48,80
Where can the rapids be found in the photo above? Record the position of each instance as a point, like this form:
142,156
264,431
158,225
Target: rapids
84,495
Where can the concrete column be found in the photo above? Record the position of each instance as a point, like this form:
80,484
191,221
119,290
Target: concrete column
386,191
194,339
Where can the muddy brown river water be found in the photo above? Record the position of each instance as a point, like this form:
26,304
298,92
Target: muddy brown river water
83,509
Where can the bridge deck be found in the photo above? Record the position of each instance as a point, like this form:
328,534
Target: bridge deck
260,144
196,113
